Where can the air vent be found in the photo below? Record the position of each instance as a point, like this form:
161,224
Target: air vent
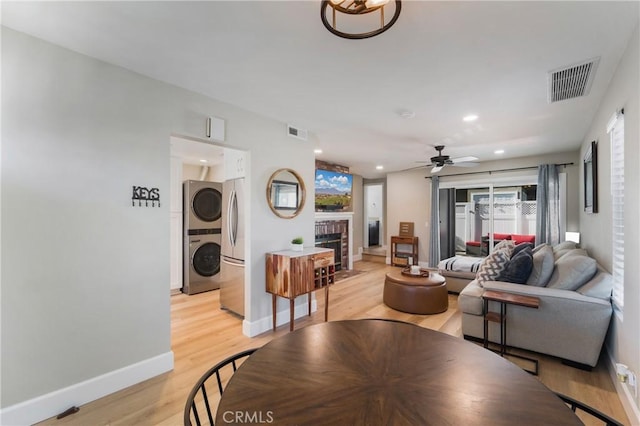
294,132
572,81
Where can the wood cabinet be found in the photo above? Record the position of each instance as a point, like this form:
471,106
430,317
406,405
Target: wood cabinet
404,251
292,273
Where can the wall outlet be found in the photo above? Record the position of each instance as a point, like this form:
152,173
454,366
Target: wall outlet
633,382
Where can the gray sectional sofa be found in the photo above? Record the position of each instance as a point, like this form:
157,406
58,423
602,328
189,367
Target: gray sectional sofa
574,313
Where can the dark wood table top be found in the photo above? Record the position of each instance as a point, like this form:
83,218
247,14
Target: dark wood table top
512,299
373,372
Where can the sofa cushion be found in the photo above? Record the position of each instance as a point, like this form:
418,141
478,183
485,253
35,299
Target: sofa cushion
540,247
571,272
470,299
564,245
519,239
563,248
501,236
599,286
518,268
573,252
492,266
543,263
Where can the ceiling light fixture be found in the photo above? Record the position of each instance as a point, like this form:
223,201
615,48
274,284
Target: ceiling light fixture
317,151
379,167
470,117
203,161
499,151
349,9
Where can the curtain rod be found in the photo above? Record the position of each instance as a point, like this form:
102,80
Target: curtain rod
501,170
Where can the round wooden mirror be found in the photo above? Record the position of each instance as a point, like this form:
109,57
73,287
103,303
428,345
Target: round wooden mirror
286,193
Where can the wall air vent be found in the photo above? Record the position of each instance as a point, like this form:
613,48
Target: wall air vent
572,81
295,132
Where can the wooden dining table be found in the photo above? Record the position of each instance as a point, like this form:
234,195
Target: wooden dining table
375,372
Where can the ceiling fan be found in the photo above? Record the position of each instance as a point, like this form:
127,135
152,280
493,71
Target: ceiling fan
441,160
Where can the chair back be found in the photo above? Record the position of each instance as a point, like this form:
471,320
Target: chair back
202,400
575,404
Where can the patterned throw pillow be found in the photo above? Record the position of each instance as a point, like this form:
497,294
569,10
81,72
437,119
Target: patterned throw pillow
505,245
492,266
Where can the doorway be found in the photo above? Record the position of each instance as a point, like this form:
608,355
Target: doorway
374,232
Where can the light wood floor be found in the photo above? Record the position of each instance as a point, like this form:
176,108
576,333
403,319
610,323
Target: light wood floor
202,334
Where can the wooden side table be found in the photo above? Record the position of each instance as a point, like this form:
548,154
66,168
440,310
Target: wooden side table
292,273
401,257
506,299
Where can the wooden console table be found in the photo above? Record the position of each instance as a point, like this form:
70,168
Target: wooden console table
501,317
402,257
292,273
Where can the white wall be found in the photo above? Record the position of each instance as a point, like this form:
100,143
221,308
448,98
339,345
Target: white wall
624,336
408,195
85,275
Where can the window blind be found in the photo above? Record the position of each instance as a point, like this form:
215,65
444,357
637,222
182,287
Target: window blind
616,132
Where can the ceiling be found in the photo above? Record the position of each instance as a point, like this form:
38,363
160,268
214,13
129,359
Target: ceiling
441,61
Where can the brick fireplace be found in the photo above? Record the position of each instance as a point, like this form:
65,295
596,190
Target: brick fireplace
335,231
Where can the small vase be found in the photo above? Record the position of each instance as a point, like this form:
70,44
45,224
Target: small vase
297,247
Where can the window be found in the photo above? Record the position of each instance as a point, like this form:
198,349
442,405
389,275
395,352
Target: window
615,128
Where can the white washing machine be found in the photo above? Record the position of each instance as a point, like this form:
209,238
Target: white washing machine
201,260
202,205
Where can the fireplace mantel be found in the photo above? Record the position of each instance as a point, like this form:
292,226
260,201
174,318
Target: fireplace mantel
337,216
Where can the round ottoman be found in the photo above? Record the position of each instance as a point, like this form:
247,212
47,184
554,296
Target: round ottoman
416,295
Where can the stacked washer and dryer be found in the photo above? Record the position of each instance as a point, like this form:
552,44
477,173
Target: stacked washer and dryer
202,235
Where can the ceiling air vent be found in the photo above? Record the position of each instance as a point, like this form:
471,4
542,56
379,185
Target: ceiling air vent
294,132
572,81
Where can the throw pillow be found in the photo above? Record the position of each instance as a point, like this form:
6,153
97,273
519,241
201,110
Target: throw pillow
491,266
506,246
543,263
572,272
518,268
520,247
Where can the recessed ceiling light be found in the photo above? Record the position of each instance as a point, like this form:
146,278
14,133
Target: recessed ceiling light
317,151
470,117
203,160
499,151
379,167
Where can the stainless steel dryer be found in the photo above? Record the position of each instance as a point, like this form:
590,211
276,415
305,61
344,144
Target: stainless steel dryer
202,205
201,261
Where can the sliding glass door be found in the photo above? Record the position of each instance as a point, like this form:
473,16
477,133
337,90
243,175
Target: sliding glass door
486,214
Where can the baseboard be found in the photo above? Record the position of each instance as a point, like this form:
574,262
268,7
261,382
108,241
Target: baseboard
252,329
52,404
624,393
357,257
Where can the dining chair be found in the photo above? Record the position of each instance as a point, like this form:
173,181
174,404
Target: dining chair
574,404
199,400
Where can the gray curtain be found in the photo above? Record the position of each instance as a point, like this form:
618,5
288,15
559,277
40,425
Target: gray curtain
548,205
434,237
